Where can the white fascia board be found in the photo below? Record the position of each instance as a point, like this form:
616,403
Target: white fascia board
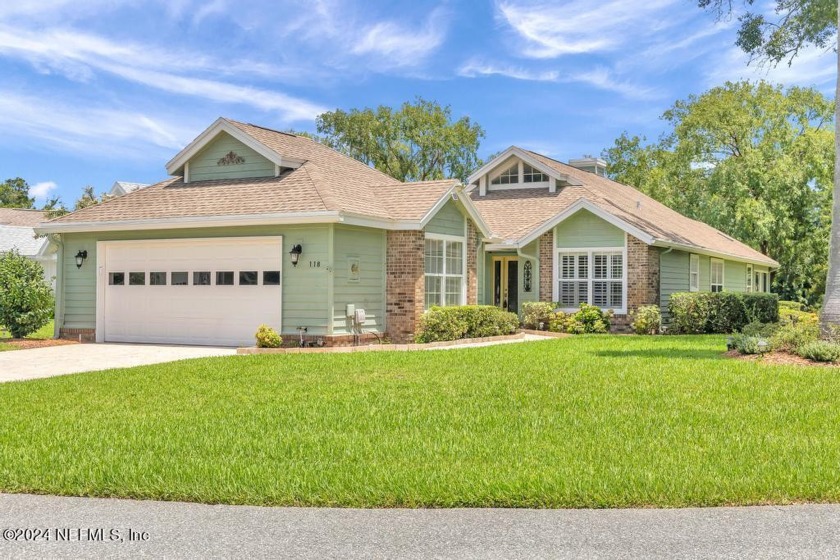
222,125
195,222
527,158
583,204
717,254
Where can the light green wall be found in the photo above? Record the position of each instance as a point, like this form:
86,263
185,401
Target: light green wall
204,165
584,229
368,293
305,287
448,220
734,276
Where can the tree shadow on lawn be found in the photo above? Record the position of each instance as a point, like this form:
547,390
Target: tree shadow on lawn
669,354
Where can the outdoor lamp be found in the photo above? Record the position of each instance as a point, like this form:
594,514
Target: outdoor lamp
295,254
80,258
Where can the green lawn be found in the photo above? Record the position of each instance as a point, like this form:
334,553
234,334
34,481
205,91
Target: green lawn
603,421
45,332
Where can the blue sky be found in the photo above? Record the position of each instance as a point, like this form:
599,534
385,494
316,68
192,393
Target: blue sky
94,91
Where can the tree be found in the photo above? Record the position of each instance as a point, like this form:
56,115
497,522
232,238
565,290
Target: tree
54,208
89,198
752,160
417,142
800,23
26,300
14,193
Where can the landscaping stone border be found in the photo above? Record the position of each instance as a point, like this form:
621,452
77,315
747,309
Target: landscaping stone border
387,347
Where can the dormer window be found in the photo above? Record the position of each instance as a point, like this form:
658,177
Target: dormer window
531,175
509,176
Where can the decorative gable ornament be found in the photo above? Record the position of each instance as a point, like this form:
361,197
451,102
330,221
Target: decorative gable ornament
232,158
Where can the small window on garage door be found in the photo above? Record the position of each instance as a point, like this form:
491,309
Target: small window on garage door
180,278
201,278
136,278
116,278
248,278
224,278
271,278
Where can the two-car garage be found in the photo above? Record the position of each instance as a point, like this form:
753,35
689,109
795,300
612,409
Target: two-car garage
208,291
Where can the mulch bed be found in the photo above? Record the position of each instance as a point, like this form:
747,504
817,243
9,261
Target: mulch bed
779,359
26,343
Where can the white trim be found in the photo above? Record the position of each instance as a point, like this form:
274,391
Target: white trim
693,258
527,158
100,267
219,126
186,173
446,238
749,285
555,290
583,204
712,263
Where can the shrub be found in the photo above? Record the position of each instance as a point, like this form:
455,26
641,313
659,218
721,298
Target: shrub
794,305
820,351
465,321
789,337
647,319
267,337
750,344
590,319
762,330
26,300
791,315
558,322
535,313
720,312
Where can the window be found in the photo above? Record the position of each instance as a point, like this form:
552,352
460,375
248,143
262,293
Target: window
271,278
444,268
716,275
201,278
248,278
224,278
136,278
180,278
594,277
157,278
693,273
508,176
116,278
531,175
749,283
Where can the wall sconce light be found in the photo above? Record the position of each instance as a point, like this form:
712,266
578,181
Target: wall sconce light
294,254
80,258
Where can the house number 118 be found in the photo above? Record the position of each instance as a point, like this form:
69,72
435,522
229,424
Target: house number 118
314,264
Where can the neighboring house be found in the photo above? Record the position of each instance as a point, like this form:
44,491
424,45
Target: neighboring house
120,188
260,226
17,231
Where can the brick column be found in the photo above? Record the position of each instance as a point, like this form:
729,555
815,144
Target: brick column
642,277
472,272
404,289
546,242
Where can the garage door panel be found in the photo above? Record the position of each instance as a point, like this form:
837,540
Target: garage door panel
190,314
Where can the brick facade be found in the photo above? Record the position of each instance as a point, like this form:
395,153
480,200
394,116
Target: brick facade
80,335
404,287
546,242
472,257
642,279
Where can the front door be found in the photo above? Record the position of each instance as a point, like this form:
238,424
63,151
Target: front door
506,283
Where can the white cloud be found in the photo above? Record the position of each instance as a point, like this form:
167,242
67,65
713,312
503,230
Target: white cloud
475,68
580,26
77,55
603,78
41,190
813,67
402,45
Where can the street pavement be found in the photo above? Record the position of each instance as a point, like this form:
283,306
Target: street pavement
108,528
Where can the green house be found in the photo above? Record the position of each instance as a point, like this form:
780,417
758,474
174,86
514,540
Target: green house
256,226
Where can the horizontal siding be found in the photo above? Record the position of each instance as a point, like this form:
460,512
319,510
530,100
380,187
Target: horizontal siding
368,293
448,220
673,276
204,165
734,276
584,230
305,287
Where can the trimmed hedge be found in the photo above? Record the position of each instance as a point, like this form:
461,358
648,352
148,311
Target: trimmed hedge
720,312
465,321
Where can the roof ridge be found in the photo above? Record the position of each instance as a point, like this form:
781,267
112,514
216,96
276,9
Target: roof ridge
292,134
314,167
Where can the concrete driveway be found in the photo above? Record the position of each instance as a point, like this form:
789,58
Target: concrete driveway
17,365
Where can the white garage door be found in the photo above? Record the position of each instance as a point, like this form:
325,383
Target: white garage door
189,291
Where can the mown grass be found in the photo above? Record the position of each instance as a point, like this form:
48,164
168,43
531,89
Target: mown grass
601,421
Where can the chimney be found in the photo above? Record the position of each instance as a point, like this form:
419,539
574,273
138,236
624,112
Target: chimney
590,164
